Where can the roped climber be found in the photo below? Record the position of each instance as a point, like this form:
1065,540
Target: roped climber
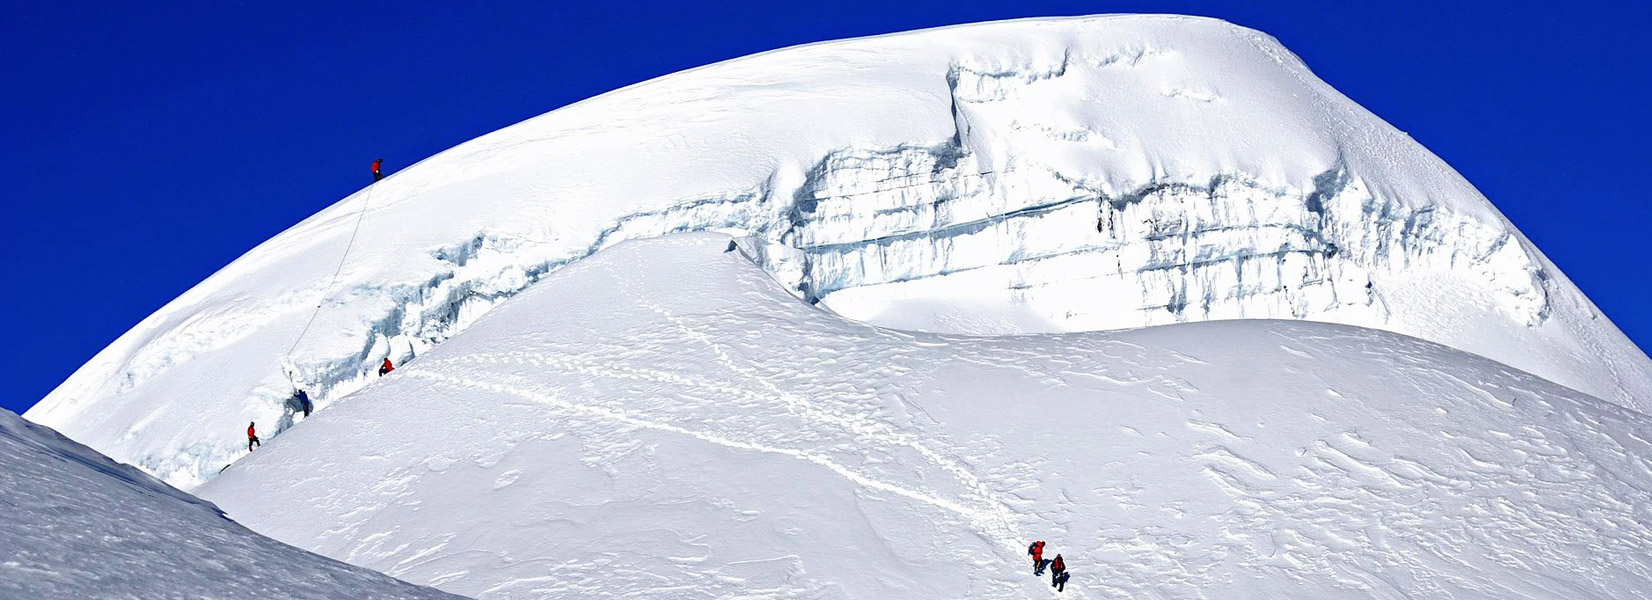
303,401
386,368
377,175
252,437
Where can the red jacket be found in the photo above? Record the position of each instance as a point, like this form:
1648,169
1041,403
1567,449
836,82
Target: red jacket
375,166
1059,565
386,367
250,432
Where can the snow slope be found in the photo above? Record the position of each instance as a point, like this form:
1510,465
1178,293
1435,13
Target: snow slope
79,526
1029,176
662,420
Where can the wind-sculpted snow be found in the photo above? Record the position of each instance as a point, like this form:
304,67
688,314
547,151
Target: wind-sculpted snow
661,420
78,526
1032,176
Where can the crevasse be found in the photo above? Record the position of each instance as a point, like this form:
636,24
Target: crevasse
1082,259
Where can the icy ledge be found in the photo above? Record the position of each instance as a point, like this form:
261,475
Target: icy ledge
866,226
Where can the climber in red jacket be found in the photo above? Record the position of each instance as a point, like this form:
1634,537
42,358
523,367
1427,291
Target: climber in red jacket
376,174
386,367
252,437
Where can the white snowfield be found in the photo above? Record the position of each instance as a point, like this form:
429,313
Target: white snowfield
1028,176
662,421
78,526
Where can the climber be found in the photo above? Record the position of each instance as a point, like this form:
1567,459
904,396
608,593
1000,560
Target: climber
1058,571
1037,552
252,437
386,367
303,401
376,174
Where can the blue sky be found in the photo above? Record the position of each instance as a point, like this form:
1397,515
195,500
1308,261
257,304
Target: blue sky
146,145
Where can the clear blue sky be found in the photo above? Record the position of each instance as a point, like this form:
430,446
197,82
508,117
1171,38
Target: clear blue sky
146,145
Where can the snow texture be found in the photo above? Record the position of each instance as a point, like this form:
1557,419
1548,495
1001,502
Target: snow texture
78,526
662,420
1029,176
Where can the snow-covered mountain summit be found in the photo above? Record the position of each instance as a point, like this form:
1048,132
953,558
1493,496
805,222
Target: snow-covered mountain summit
1027,176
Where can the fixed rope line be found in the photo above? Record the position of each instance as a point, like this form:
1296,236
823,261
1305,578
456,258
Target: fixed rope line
334,279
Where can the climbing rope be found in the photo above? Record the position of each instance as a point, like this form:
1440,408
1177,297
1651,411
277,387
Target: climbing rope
332,280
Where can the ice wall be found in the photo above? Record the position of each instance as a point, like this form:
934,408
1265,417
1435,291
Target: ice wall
1084,259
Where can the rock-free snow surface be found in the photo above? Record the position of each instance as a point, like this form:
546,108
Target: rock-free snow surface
1030,176
662,420
75,525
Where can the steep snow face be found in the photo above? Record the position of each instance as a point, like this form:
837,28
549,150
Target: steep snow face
78,525
1028,176
660,420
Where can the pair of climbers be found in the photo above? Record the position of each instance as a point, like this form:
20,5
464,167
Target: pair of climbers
1058,567
301,400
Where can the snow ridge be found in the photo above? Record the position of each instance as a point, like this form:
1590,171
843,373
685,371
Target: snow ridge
665,403
79,526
